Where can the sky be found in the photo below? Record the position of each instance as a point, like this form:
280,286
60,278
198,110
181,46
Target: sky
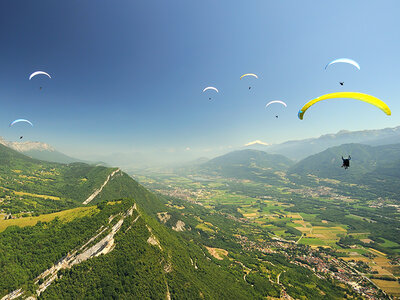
127,76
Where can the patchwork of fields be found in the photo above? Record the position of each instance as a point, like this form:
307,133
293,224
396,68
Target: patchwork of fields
281,212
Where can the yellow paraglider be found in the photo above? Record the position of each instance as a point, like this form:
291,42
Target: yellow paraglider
358,96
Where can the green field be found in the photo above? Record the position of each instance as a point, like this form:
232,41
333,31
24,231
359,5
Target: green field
65,216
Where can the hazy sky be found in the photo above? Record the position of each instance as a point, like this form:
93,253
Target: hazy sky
128,75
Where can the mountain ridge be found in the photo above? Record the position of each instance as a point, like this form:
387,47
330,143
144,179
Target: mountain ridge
299,149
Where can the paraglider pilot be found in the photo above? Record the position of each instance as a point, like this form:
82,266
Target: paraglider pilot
346,162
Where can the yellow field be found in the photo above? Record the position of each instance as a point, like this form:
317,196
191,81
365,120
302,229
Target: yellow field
65,216
390,287
327,233
377,252
294,216
36,195
382,265
113,202
205,228
367,241
357,257
250,215
217,252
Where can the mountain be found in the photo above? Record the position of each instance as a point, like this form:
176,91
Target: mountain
51,155
40,151
249,158
256,142
246,164
377,167
35,186
80,231
115,249
300,149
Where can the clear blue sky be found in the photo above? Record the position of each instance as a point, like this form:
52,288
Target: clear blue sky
128,75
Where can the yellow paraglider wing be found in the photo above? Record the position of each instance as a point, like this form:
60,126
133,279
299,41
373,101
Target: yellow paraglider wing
358,96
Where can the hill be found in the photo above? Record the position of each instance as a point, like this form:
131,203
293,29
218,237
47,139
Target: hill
300,149
87,249
159,263
51,155
246,164
43,151
118,249
376,167
33,186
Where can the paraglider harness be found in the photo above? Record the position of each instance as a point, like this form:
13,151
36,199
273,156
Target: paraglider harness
346,162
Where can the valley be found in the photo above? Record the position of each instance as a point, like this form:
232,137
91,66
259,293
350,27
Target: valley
244,220
320,226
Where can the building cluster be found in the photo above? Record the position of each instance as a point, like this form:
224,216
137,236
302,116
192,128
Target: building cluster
323,265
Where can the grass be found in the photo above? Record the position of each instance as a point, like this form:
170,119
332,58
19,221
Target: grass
312,241
205,228
36,195
65,216
389,244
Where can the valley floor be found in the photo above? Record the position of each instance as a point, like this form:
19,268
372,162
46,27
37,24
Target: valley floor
316,227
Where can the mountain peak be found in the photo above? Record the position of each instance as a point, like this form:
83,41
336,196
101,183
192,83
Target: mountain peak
26,146
29,146
256,142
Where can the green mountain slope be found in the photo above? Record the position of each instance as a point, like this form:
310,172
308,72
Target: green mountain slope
160,262
301,149
118,248
52,156
150,271
30,185
247,164
376,167
146,260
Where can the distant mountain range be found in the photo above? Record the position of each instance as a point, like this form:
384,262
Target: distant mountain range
242,164
300,149
375,167
294,150
43,151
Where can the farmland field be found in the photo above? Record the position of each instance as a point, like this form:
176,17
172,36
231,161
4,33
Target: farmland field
64,216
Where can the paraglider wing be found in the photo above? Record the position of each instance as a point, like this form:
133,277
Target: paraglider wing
344,60
276,101
249,74
211,88
20,120
352,95
38,73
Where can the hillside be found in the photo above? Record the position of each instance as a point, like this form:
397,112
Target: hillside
246,164
87,248
301,149
159,263
375,167
120,247
51,156
41,151
32,186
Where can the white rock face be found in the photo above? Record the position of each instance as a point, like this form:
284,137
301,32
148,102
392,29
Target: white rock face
26,146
